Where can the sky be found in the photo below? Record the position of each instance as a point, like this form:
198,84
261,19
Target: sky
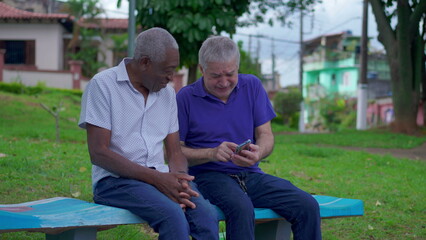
329,17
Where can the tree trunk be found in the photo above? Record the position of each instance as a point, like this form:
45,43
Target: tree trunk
422,70
405,94
399,45
192,73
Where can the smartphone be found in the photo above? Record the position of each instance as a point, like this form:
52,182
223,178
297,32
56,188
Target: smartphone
242,146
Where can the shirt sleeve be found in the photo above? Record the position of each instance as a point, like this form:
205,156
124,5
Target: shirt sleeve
174,124
182,114
95,106
263,110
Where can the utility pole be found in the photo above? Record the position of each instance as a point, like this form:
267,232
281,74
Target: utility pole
301,52
273,64
131,28
258,55
361,117
249,46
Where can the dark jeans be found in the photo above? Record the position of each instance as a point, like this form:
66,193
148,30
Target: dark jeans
237,195
162,214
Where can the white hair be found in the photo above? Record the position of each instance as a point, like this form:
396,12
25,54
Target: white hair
218,49
153,43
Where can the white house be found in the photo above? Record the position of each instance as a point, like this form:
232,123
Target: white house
33,47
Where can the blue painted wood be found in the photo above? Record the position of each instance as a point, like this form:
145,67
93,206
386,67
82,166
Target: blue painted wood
339,207
62,212
329,207
59,212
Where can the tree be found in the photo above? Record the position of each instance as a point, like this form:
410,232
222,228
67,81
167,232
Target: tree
247,64
288,103
81,45
192,21
79,9
404,42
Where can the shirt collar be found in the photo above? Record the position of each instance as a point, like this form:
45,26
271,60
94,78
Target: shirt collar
123,76
122,71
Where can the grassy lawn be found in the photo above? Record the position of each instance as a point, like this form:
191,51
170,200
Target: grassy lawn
33,166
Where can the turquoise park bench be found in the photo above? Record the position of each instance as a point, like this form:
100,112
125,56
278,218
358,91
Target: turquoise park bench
73,219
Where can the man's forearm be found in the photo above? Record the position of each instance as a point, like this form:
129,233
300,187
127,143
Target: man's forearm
197,156
264,139
121,166
178,163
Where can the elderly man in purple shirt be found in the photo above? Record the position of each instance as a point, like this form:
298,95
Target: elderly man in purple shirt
216,113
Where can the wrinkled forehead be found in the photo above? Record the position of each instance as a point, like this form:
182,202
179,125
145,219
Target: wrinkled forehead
222,67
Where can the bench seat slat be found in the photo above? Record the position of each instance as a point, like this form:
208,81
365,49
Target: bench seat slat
71,213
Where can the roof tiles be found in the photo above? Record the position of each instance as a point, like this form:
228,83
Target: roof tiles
8,12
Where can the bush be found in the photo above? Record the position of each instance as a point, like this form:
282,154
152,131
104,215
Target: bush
19,88
287,104
75,92
294,120
337,112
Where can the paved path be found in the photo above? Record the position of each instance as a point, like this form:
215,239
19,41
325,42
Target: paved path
418,153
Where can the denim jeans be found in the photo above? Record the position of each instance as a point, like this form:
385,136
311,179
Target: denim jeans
238,195
162,214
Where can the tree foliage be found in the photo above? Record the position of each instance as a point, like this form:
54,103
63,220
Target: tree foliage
87,9
337,112
401,25
88,52
287,103
192,21
248,65
81,47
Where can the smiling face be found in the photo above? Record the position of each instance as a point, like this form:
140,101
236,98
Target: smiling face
154,76
220,78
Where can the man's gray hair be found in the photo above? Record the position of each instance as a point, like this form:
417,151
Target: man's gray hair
153,43
218,49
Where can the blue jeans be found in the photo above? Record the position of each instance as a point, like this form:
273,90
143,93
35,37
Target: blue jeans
162,214
238,195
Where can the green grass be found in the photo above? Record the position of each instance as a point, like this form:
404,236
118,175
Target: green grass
372,138
36,167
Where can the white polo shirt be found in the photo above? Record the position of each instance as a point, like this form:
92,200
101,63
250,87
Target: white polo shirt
137,129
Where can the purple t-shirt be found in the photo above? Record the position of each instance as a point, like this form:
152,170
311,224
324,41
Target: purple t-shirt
206,122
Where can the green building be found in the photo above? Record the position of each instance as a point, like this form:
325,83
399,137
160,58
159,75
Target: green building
331,67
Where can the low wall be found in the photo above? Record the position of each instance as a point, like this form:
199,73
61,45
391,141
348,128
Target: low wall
30,75
54,79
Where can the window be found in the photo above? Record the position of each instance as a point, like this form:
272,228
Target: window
19,51
333,79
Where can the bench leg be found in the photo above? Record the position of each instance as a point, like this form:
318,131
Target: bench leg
273,230
74,234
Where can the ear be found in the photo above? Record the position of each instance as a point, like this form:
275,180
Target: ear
201,69
145,63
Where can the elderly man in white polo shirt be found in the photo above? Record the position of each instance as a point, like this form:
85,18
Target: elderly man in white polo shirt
128,112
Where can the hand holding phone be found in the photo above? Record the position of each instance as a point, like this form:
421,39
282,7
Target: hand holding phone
243,146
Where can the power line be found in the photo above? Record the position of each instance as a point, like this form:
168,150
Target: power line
268,37
292,41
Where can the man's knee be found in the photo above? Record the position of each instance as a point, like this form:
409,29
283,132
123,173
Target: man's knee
308,206
241,208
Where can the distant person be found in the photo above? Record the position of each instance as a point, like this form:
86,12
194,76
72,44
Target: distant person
128,112
216,113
